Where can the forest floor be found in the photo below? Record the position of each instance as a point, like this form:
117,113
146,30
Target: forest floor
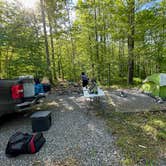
94,133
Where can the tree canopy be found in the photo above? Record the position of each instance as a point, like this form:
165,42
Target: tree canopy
109,40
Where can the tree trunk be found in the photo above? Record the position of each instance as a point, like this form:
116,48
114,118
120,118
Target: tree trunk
0,65
109,74
46,40
131,20
72,43
52,52
92,74
121,50
96,40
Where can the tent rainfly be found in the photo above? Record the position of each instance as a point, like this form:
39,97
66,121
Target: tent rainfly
155,85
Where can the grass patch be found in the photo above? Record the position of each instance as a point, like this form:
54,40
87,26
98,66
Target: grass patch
140,136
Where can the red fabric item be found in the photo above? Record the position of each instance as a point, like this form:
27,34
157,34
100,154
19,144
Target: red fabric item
32,146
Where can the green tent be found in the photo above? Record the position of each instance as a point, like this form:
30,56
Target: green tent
156,85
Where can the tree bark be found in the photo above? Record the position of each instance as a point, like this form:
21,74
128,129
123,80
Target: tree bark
0,65
72,43
52,51
96,40
46,40
131,20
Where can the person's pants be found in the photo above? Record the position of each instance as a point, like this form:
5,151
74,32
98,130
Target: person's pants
84,83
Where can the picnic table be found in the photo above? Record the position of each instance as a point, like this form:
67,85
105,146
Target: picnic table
93,95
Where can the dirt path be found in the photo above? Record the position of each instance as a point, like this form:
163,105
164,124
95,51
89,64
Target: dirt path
76,137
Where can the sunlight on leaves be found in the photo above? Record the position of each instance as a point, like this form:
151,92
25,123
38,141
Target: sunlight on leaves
159,123
150,131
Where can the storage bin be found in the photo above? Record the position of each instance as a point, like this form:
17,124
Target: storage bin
41,121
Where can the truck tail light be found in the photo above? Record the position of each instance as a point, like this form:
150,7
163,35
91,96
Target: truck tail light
17,91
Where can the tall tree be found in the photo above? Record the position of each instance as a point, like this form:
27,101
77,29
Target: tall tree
45,37
131,32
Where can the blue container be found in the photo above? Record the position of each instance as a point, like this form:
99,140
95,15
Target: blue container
38,89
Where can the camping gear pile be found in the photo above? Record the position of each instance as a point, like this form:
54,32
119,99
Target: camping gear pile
25,143
42,87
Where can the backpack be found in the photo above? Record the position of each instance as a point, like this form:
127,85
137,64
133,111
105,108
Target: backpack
24,143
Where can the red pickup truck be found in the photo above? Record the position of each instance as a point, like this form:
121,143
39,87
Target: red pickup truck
17,94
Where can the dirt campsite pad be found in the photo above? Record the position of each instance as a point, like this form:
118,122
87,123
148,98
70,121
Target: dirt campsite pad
134,101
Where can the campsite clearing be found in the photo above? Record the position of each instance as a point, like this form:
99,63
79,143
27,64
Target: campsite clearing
98,135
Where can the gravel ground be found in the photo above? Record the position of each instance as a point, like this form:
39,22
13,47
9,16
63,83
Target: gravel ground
134,101
75,134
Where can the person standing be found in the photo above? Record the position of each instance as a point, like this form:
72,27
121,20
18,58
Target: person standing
85,79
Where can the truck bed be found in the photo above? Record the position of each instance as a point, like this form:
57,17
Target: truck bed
10,105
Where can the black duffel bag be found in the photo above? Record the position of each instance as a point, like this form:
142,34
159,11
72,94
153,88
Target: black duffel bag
24,143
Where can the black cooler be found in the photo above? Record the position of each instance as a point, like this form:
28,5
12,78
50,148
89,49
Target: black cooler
41,121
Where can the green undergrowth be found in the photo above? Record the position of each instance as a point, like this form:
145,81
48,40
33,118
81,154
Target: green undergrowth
122,84
140,136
